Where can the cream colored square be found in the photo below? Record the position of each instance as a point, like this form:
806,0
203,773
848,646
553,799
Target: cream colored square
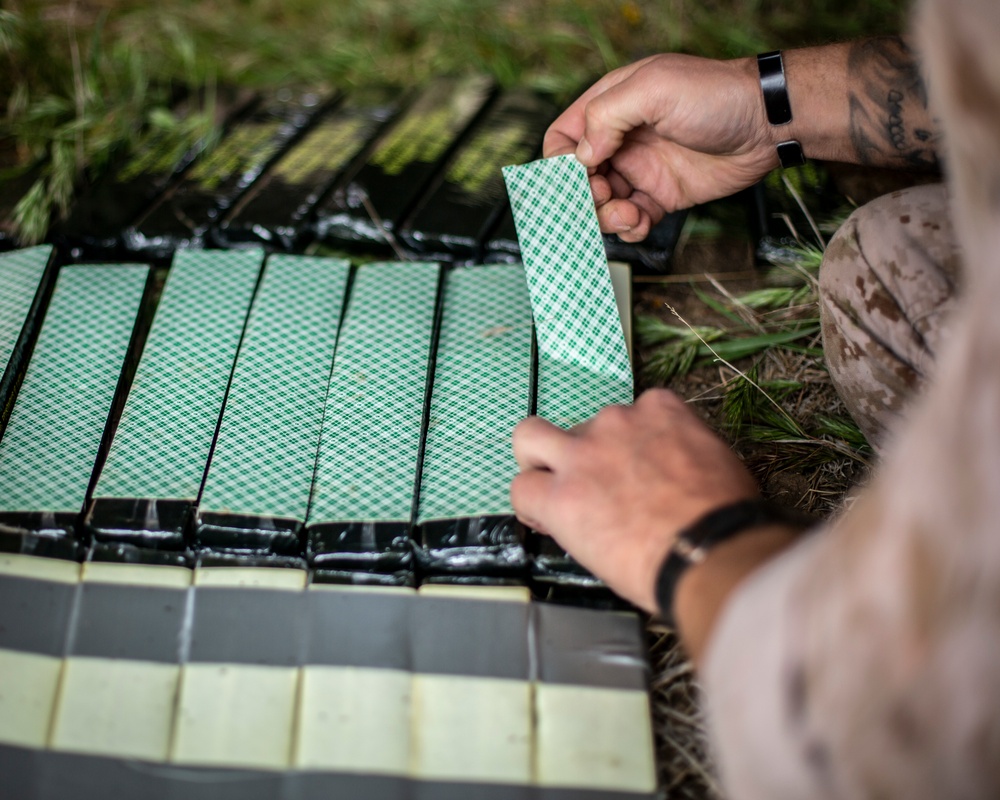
354,720
594,738
360,588
250,578
137,574
43,569
28,684
116,708
236,715
621,283
510,594
471,729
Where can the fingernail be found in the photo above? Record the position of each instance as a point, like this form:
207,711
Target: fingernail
620,226
584,152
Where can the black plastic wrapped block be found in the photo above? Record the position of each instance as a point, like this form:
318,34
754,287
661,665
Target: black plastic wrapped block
382,547
278,209
490,546
403,163
184,215
454,218
103,210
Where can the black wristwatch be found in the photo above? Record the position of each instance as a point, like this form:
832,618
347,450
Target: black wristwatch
694,542
777,105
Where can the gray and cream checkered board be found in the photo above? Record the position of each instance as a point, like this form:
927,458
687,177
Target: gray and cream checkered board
481,390
367,464
162,443
223,683
264,458
50,445
571,293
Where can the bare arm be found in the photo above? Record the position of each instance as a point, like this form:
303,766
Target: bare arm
890,120
672,131
862,102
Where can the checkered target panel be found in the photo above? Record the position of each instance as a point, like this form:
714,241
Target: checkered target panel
259,542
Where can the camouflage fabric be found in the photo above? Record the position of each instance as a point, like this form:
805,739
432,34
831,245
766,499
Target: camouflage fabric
863,661
887,285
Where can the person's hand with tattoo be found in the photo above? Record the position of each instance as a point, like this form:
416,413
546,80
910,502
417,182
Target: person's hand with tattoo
672,131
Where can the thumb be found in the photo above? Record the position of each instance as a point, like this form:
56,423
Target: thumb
607,119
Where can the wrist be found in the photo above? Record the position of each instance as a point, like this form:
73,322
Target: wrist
692,545
704,590
777,107
749,82
815,80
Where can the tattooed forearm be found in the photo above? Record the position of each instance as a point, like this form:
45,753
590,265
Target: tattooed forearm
891,124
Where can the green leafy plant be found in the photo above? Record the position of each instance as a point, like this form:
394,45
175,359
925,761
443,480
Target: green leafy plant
780,317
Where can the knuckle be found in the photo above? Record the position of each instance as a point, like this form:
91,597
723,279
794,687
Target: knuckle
517,491
596,115
612,417
521,431
658,397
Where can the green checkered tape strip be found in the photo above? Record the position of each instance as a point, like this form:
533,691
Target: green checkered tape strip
367,464
265,455
20,274
163,439
569,394
571,293
481,390
48,451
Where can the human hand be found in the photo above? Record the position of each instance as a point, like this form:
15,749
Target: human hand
665,133
615,491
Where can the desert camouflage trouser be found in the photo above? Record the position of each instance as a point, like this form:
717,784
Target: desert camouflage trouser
887,283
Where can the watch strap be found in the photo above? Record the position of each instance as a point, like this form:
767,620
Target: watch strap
774,87
694,542
777,105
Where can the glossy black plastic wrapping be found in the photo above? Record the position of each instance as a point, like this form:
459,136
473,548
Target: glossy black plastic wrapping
491,546
384,190
17,537
104,209
251,534
452,220
156,523
360,547
184,215
278,209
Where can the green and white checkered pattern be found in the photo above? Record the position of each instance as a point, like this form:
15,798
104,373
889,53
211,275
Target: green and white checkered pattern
569,394
266,451
576,319
20,274
48,451
481,390
367,464
162,443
